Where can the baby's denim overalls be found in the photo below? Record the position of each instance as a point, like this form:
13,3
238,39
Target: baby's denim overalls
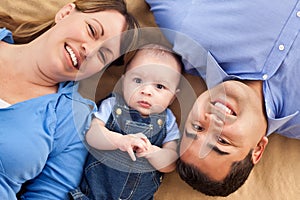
112,175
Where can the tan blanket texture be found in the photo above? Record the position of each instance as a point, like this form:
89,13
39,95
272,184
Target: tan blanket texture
276,177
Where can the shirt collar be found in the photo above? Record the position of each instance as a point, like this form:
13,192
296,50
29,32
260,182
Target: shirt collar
215,74
274,124
6,36
199,61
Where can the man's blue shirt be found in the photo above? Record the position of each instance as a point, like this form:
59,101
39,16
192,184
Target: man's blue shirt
246,40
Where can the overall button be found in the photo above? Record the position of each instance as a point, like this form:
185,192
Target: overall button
159,122
118,111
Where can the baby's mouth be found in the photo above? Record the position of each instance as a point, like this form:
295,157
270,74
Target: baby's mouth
144,104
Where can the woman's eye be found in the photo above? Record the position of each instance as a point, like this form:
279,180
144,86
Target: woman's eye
92,30
137,80
160,86
197,128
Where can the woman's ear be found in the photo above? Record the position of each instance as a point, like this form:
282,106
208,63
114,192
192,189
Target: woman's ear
64,11
259,149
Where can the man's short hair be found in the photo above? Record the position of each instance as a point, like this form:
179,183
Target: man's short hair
199,181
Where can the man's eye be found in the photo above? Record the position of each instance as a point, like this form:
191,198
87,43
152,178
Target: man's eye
222,141
197,128
102,55
160,86
137,80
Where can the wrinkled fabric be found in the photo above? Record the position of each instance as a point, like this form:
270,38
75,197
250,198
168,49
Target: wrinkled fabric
245,40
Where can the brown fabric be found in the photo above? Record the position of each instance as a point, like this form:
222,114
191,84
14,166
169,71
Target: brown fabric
276,176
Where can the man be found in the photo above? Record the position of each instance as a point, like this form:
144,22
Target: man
251,70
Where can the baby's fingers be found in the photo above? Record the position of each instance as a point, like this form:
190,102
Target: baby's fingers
139,143
131,154
141,135
140,154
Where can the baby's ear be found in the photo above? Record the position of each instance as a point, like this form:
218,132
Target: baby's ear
64,11
122,80
173,98
122,77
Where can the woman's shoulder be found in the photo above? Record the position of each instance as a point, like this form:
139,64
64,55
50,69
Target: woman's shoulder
68,94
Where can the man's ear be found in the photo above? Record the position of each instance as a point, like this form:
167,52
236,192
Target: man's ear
64,11
259,149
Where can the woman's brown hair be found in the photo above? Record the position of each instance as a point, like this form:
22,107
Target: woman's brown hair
26,31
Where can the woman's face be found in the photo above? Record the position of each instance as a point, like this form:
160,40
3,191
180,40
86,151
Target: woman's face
80,44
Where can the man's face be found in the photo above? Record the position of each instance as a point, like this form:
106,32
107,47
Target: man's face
225,123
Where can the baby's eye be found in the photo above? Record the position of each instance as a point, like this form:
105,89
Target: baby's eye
160,86
137,80
197,128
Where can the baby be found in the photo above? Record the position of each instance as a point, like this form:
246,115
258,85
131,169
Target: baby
134,134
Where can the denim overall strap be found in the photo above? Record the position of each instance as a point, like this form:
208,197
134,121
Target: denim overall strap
130,121
127,121
112,174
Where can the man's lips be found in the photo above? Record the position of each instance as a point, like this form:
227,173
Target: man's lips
223,112
227,109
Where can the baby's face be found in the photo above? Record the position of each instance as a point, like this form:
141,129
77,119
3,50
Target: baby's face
150,83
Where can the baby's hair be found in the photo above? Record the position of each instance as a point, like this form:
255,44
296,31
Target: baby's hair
152,49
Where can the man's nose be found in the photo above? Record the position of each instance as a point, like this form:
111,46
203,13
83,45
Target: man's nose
214,127
215,123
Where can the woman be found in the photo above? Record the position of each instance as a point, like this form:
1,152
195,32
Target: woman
40,147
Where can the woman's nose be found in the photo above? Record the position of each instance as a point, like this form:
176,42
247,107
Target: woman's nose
89,47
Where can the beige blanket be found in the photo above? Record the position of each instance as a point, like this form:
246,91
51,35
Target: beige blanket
276,177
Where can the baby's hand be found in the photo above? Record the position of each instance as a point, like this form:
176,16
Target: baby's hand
148,151
131,143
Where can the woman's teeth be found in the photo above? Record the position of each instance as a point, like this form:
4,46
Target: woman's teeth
72,55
